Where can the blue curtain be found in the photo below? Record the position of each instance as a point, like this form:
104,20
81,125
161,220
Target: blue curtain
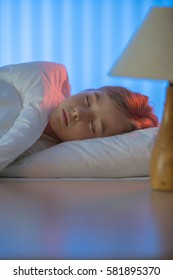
85,35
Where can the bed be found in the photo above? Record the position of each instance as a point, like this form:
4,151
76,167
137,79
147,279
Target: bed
89,199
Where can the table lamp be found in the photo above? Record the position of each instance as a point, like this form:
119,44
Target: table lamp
149,55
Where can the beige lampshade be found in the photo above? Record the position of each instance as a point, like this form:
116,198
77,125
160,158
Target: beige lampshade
149,54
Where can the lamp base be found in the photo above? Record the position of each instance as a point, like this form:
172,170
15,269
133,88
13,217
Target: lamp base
161,172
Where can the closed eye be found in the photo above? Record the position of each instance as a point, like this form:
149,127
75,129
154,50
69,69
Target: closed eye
87,101
92,127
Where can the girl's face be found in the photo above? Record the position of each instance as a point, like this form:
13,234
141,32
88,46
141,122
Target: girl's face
88,114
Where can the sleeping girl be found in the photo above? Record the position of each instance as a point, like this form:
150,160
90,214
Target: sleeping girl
101,112
37,111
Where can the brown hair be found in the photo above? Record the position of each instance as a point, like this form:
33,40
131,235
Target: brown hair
139,114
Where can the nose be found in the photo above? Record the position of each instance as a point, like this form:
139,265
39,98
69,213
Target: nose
80,113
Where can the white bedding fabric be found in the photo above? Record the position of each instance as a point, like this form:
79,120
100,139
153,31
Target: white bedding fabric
28,93
126,155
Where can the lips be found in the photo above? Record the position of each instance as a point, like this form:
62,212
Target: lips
64,117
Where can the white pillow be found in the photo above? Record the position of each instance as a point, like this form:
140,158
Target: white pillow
126,155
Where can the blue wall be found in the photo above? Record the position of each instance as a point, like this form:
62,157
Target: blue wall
85,35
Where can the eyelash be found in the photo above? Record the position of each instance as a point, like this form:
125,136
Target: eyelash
92,126
87,100
88,104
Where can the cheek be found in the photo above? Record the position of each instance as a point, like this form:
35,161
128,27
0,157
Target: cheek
82,127
54,113
77,132
55,120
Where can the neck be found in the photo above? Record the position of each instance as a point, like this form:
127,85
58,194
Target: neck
49,131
